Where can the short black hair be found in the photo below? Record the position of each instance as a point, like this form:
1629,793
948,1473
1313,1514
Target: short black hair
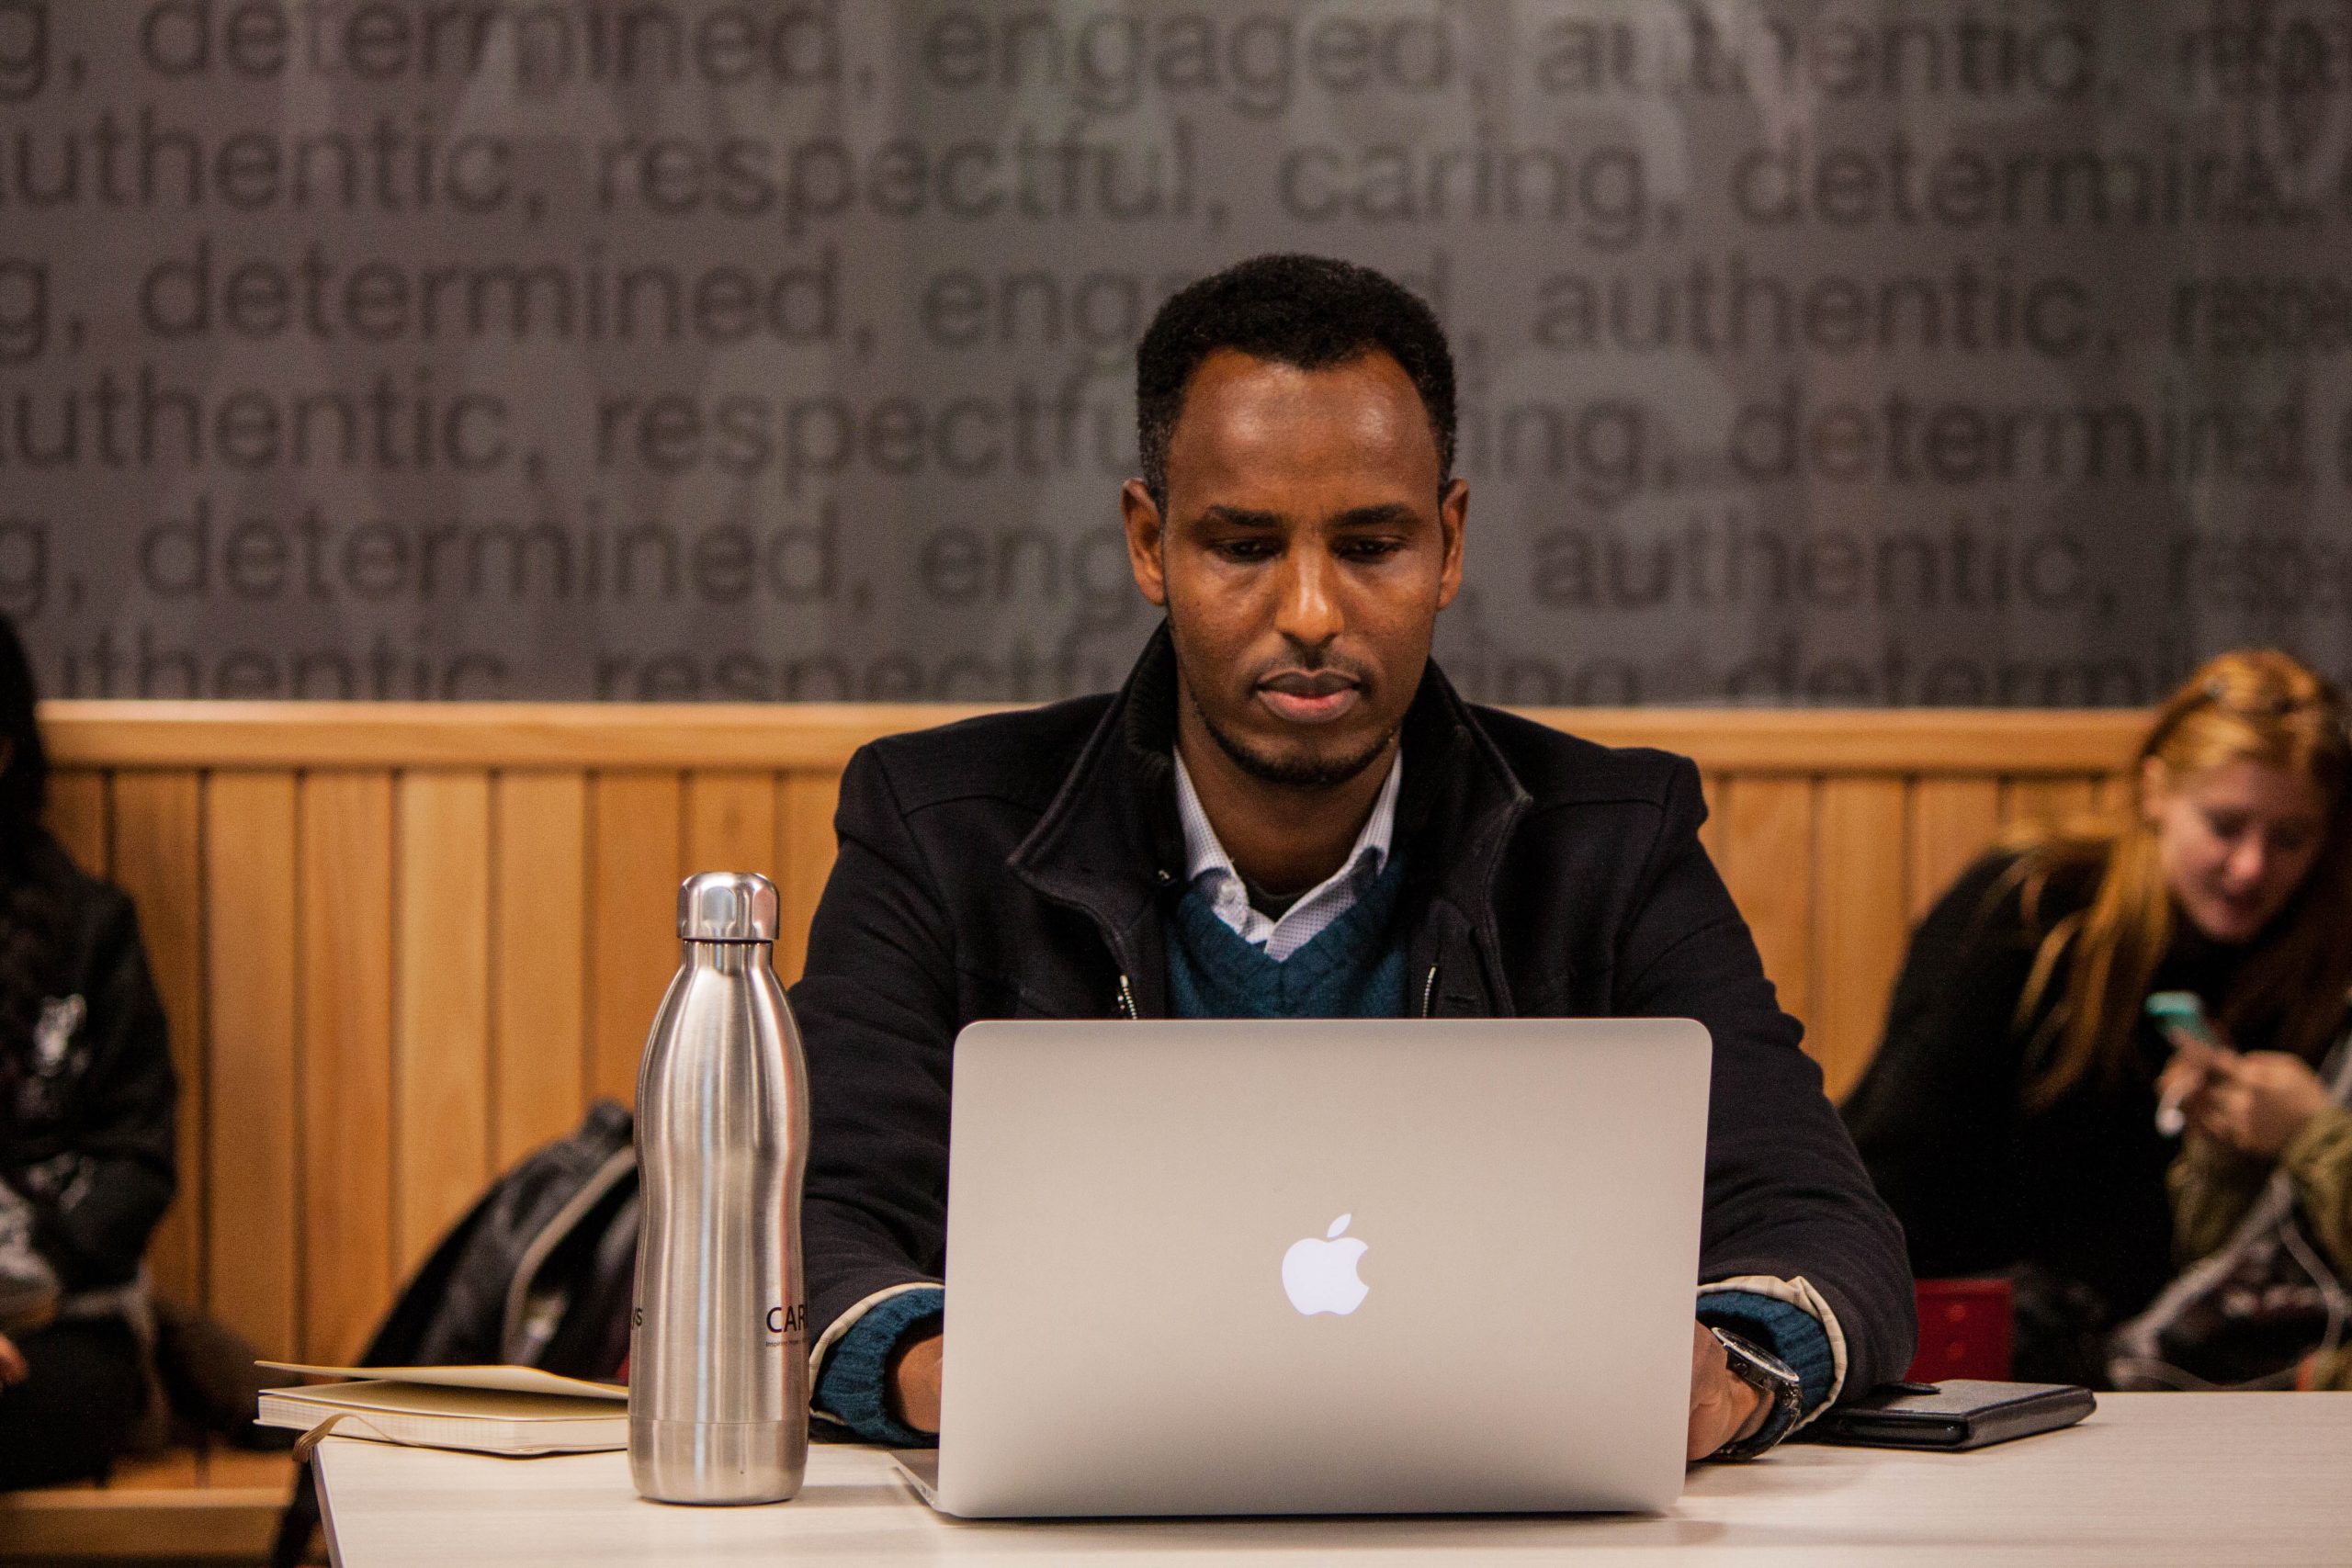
1310,312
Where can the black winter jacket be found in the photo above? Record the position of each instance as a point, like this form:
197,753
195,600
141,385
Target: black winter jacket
88,1134
1023,866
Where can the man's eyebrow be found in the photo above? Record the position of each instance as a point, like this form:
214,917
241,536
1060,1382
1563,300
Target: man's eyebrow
1241,516
1384,516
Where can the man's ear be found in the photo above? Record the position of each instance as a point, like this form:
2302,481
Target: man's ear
1147,537
1453,517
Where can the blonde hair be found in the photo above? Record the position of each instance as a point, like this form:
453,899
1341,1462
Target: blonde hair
2255,705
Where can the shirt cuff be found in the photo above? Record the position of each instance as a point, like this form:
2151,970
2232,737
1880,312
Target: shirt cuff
852,1380
1788,1318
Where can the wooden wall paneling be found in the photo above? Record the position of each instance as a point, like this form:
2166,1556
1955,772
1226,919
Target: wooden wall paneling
819,737
77,814
508,987
252,1224
539,979
1858,922
2052,799
346,1059
1710,832
731,822
805,807
1767,839
158,861
633,919
1954,820
441,1017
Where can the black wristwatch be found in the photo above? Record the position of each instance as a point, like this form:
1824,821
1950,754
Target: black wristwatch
1782,1390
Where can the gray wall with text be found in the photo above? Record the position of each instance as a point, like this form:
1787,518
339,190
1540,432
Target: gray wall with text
1906,353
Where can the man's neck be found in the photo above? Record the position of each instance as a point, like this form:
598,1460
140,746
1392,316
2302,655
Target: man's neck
1281,837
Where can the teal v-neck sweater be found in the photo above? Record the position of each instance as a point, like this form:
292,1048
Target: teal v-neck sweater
1353,967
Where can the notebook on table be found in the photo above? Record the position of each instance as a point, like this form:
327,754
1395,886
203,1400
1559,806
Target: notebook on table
497,1410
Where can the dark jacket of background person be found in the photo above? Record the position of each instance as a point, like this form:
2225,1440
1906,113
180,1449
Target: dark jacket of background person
1023,866
87,1132
2073,1193
87,1104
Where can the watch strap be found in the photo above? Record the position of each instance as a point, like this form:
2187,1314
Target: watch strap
1782,1390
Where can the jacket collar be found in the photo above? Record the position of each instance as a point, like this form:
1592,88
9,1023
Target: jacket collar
1109,845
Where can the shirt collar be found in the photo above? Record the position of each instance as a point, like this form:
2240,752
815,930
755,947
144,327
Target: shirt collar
1204,854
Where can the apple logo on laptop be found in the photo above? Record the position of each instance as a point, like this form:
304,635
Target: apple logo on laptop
1319,1273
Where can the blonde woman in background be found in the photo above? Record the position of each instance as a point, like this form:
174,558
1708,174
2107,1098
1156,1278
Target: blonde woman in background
2009,1117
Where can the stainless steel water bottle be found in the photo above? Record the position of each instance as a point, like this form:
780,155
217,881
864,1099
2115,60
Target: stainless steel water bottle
718,1367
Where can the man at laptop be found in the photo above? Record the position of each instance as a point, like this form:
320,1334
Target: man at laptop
1288,812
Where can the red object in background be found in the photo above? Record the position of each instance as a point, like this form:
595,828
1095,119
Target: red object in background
1964,1330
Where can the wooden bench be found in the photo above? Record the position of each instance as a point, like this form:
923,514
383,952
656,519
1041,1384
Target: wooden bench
217,1504
402,944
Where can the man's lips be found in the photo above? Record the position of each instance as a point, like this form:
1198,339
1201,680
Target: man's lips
1301,697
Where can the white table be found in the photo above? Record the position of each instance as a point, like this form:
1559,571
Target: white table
2234,1479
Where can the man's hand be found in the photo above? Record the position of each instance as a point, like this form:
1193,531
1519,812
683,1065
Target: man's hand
1722,1406
13,1370
914,1385
2256,1103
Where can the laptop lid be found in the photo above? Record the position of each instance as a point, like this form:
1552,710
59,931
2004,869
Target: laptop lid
1320,1266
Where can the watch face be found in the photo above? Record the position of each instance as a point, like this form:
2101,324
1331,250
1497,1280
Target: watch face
1752,1365
1780,1385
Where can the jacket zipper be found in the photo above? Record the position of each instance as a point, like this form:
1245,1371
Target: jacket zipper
1428,993
1127,1000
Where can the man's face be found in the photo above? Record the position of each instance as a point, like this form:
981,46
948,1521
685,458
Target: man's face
1305,550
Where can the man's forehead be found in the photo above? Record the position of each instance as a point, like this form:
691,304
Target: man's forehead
1247,420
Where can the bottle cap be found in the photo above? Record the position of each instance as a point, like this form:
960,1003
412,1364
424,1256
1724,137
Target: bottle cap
726,906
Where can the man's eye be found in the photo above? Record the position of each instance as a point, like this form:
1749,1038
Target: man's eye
1245,549
1369,550
2224,825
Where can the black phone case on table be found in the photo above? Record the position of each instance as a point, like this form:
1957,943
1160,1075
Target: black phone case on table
1962,1414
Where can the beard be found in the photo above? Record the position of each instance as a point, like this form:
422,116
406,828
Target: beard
1308,772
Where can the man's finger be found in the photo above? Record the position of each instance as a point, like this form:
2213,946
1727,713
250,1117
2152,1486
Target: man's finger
13,1368
1706,1364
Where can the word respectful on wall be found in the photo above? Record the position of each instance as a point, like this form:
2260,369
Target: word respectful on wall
1958,352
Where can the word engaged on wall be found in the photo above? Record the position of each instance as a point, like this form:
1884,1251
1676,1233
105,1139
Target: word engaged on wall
1959,352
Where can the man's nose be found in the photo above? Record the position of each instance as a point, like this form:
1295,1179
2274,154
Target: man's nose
1308,614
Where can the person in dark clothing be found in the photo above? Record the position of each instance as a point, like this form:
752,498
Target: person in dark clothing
2010,1115
1288,812
87,1102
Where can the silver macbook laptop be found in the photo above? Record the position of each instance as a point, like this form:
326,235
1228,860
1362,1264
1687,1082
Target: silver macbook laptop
1326,1267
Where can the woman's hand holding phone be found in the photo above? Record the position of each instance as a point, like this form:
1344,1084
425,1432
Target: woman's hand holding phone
2199,1056
2253,1103
2257,1102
